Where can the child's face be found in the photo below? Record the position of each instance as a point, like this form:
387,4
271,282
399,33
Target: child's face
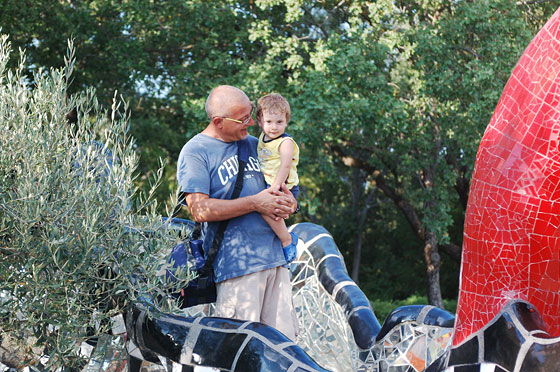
273,124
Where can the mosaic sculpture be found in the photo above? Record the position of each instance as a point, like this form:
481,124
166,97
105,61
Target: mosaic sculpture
508,315
341,329
338,327
511,246
512,230
178,343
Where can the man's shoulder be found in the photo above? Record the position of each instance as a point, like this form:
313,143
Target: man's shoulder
198,143
198,139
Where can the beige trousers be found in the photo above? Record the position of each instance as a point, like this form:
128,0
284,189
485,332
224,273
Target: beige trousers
264,296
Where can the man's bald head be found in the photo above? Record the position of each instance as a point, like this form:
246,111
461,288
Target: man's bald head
222,98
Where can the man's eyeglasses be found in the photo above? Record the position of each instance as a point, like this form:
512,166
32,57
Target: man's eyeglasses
245,121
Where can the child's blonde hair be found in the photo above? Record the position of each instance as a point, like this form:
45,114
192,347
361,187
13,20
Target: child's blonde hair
273,102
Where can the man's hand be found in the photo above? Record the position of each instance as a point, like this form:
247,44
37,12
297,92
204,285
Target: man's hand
293,201
276,204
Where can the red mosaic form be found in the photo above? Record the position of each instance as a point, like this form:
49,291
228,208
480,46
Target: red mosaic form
511,245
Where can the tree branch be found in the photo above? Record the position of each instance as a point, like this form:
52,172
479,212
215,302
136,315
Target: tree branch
365,15
452,250
462,183
315,23
469,51
396,196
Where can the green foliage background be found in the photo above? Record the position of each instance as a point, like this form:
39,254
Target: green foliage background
389,102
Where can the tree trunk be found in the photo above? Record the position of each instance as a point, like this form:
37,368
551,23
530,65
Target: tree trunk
357,258
432,259
360,211
431,255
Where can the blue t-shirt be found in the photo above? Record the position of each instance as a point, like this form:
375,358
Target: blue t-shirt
209,166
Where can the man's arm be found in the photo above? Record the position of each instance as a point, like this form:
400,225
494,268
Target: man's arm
276,204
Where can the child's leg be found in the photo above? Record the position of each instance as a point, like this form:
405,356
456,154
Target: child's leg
280,229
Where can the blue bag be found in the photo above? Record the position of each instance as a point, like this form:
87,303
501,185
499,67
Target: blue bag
201,289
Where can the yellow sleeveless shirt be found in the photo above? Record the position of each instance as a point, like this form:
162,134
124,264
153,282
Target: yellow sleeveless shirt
269,159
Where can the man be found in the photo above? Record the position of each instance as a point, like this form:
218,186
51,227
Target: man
252,282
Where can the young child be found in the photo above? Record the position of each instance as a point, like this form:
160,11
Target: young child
278,157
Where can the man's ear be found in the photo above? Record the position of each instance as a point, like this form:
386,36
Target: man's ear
217,121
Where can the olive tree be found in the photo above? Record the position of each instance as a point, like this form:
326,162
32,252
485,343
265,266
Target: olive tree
74,250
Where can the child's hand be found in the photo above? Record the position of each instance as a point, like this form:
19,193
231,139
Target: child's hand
277,188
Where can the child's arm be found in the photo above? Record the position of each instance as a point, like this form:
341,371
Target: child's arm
286,150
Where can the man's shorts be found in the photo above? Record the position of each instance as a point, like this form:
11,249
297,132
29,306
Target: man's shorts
264,296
